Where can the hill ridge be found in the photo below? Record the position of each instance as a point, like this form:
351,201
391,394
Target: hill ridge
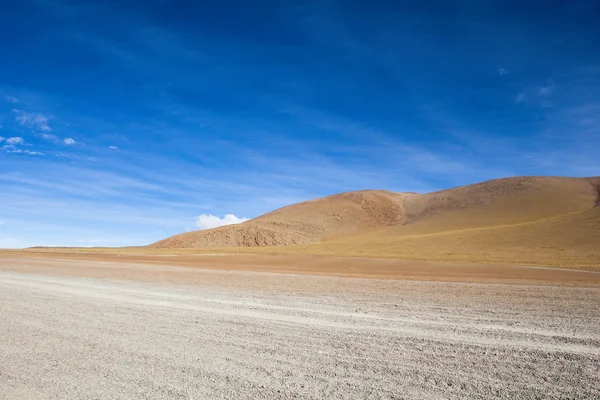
306,222
549,217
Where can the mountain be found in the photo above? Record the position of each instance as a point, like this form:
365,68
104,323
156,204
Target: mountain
532,221
551,220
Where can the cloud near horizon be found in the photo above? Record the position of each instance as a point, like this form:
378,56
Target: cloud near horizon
209,221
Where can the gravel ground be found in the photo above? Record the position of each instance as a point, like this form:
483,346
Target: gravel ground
286,336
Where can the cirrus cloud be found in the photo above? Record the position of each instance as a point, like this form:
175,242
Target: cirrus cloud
538,95
69,141
15,140
35,121
209,221
50,137
9,148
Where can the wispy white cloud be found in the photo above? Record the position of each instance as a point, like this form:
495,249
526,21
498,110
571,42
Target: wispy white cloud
113,148
11,99
15,140
502,71
546,90
538,95
9,148
69,141
33,120
50,137
209,221
67,155
1,139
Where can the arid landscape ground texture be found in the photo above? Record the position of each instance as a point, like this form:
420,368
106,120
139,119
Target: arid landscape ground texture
148,326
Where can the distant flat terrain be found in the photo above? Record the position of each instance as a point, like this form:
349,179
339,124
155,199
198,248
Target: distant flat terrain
121,264
156,327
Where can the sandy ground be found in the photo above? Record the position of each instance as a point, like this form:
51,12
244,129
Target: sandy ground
88,329
120,265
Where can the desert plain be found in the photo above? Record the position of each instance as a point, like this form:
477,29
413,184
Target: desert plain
163,326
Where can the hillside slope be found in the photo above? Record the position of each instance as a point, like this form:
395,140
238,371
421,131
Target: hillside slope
547,221
499,202
566,241
307,222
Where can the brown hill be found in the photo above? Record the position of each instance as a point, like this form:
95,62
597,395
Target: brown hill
539,221
307,222
499,202
547,220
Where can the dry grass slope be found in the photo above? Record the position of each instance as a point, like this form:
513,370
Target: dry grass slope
502,201
567,241
534,221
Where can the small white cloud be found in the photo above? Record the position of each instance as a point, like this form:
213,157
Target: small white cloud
546,90
115,148
538,95
9,148
11,99
33,120
209,221
69,141
50,137
1,139
15,140
502,71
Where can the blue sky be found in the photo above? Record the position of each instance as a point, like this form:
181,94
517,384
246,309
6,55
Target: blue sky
122,122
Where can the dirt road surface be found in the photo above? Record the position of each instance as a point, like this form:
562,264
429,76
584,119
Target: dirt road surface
85,329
